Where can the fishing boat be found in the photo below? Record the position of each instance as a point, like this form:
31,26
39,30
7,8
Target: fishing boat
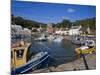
85,50
21,63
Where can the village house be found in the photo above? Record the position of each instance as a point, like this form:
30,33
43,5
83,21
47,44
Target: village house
61,31
75,30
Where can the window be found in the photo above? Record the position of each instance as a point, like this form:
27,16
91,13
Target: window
19,53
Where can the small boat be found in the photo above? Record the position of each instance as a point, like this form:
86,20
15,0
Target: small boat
51,37
85,50
58,39
42,38
21,64
90,43
80,40
77,42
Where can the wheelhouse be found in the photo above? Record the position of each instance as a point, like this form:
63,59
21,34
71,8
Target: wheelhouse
18,55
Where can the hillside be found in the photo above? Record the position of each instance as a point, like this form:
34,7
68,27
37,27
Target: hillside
25,22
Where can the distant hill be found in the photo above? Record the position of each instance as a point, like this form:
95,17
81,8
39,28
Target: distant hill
25,22
89,22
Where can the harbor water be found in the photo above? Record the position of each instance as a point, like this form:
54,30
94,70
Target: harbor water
60,52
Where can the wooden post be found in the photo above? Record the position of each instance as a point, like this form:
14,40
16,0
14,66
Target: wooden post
85,62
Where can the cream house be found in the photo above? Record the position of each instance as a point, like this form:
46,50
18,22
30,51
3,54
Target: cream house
61,32
75,30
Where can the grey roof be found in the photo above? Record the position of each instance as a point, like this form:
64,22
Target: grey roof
74,27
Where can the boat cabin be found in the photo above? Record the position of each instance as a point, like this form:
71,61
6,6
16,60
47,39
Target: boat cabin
18,56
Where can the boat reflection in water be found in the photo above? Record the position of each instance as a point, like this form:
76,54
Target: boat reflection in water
23,61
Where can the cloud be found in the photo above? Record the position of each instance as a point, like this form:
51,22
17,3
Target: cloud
70,10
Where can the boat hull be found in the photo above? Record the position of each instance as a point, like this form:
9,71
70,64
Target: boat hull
32,65
78,42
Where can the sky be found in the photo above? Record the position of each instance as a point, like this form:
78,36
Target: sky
51,12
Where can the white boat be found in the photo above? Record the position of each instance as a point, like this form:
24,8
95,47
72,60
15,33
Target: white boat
80,40
90,43
58,39
42,38
51,37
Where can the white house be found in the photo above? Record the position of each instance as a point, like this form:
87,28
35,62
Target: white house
61,32
75,30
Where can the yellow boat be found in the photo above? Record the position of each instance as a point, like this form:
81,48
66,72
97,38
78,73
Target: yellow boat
18,55
85,50
20,62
